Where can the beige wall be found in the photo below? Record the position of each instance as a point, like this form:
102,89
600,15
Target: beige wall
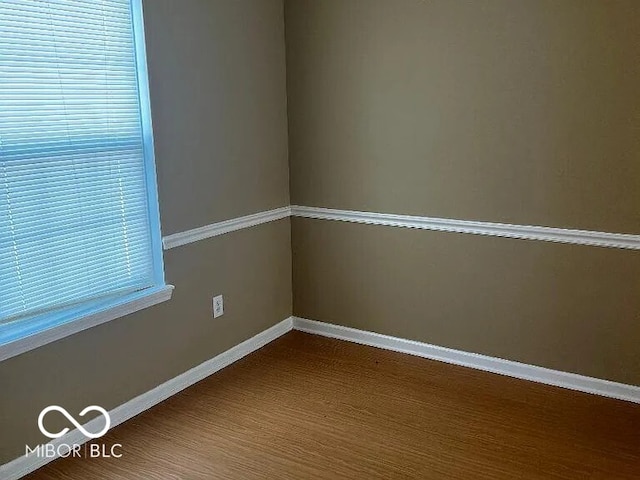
559,306
522,112
525,112
221,151
218,97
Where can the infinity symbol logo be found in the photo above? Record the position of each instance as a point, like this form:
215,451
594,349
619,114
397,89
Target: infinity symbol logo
90,408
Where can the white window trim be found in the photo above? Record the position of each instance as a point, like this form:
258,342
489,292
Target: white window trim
147,138
90,316
22,336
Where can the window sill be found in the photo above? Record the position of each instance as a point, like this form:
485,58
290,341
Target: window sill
23,336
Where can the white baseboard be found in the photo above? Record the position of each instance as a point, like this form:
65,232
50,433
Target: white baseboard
509,368
21,466
25,465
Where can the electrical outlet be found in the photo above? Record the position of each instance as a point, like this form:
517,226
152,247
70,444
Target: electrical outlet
218,306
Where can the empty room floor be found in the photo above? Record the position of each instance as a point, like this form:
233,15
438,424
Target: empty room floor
312,407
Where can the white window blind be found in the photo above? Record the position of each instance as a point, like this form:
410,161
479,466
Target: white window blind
78,211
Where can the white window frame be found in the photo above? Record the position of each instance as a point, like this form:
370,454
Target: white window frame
21,336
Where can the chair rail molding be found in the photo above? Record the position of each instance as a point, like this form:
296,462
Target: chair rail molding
525,232
226,226
570,236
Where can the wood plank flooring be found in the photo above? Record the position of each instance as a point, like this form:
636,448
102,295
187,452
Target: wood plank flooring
311,407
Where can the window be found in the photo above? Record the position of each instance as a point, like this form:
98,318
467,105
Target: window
79,224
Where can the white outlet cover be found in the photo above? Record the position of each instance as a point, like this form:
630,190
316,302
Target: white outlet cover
218,306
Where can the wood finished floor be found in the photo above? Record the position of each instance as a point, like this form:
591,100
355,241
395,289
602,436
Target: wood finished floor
311,407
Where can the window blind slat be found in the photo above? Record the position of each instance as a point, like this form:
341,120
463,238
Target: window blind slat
74,213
